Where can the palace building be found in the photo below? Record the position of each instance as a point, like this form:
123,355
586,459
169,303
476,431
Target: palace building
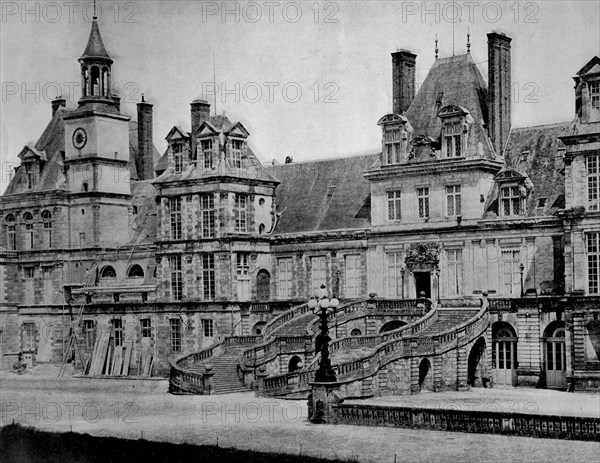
128,263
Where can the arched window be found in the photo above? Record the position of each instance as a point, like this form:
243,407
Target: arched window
108,272
135,271
47,222
28,218
95,81
504,354
11,232
86,80
391,326
355,332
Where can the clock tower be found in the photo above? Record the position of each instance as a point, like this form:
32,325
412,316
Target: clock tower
97,158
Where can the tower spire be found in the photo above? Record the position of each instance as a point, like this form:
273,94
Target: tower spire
95,12
468,40
437,50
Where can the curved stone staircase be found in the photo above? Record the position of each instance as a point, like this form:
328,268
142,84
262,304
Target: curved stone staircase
236,359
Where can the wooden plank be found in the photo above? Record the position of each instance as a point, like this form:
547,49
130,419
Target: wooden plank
147,365
127,359
100,355
109,358
117,361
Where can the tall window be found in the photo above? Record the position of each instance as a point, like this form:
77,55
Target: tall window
117,325
30,176
176,278
208,276
11,232
455,272
392,146
595,94
146,326
511,272
242,267
47,222
423,198
318,269
394,203
207,205
593,174
236,153
89,333
394,274
178,157
175,334
284,278
208,328
353,276
29,272
29,341
511,200
240,212
453,139
593,256
453,200
175,207
28,218
207,153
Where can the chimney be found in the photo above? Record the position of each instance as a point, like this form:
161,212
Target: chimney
144,161
200,113
57,103
117,101
499,90
403,80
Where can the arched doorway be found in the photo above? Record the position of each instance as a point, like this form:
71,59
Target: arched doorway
263,285
476,373
259,328
393,325
504,354
424,375
295,364
555,355
356,332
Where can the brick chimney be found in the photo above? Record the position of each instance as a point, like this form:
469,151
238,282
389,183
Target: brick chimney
499,90
57,103
403,80
200,113
144,161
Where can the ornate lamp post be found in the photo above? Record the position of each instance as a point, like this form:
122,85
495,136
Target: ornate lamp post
437,279
522,268
322,306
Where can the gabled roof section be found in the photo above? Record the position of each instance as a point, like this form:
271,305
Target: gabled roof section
454,81
536,153
323,195
31,153
391,119
95,48
177,132
592,67
238,130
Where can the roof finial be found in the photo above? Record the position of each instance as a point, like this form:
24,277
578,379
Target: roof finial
143,98
468,40
95,13
437,50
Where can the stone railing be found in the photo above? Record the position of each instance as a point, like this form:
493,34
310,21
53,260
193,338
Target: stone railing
285,317
522,424
543,303
386,353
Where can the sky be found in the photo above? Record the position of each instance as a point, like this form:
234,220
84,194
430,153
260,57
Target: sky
308,79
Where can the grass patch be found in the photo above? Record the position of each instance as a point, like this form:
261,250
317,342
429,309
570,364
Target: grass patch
25,444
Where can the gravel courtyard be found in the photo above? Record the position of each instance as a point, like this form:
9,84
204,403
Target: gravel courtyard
132,409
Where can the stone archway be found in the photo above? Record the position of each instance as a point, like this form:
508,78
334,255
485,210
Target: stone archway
258,328
477,375
425,375
555,355
392,325
295,364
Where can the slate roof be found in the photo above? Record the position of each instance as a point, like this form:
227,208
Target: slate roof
95,47
52,142
543,165
331,194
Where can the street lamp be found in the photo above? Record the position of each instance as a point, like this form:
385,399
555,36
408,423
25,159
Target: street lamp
437,279
522,268
322,306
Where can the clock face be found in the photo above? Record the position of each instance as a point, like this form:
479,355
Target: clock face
79,138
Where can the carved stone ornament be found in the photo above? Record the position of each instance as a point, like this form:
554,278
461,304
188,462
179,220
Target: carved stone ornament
423,256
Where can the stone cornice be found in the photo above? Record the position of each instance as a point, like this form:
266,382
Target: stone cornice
433,167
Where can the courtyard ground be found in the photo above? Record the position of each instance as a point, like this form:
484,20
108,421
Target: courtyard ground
142,408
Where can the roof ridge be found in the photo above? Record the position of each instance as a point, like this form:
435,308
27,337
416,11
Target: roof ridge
338,158
552,124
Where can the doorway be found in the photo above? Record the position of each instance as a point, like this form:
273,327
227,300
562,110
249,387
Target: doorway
423,283
504,354
555,354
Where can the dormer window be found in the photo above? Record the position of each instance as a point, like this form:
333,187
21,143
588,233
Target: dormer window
595,94
236,153
207,153
178,157
392,146
29,175
453,139
455,130
511,200
524,156
396,130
